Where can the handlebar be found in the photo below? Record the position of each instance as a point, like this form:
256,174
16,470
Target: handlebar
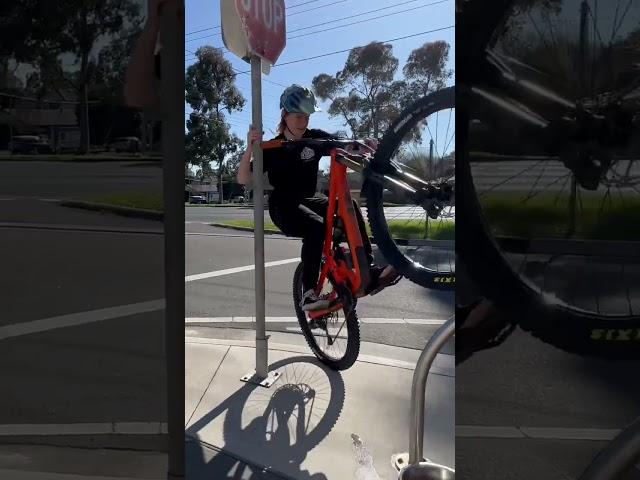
322,146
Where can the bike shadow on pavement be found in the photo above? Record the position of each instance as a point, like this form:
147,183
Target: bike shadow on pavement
268,432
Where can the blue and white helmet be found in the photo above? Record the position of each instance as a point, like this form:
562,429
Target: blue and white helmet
297,99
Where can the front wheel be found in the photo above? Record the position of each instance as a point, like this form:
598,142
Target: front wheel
333,338
421,143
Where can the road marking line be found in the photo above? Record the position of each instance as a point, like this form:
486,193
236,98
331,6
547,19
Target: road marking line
425,321
231,271
80,318
383,321
545,433
80,228
269,237
34,475
55,429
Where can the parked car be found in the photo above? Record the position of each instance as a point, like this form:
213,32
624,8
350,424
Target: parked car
197,199
237,199
29,144
124,144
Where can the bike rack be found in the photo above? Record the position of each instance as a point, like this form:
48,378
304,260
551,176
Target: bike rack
417,468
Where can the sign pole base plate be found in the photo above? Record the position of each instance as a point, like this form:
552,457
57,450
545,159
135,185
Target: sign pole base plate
253,378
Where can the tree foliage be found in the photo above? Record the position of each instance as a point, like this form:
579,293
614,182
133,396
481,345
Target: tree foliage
210,91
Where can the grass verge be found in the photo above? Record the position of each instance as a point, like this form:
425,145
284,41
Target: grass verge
411,229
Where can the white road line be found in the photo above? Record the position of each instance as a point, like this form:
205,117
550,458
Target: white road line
230,271
80,228
55,429
80,318
269,237
33,475
372,320
544,433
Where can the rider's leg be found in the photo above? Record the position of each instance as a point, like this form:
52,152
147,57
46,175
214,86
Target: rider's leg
306,220
381,276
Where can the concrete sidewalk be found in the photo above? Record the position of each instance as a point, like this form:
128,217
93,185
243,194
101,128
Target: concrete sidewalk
301,427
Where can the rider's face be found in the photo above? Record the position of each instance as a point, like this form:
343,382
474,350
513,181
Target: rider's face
297,121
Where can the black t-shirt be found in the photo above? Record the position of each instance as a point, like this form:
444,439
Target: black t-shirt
293,173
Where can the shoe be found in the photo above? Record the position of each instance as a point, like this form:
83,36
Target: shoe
310,301
381,278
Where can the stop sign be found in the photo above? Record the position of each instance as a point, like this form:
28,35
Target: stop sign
264,25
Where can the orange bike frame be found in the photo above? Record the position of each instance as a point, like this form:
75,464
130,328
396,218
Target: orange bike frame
341,205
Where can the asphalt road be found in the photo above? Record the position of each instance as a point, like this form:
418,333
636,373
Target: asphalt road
210,249
527,384
64,265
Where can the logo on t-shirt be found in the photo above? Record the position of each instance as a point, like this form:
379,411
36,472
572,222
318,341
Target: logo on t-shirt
307,153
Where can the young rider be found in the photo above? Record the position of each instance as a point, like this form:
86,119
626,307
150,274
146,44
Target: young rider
294,205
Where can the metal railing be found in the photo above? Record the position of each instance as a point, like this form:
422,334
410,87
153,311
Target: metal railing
418,388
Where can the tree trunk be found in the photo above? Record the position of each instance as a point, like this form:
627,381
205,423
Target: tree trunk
84,118
221,195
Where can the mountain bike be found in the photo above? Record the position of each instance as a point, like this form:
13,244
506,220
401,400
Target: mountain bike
333,334
549,176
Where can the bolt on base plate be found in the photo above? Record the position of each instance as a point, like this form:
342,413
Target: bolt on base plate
251,377
401,460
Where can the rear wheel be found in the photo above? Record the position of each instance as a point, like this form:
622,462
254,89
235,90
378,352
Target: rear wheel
550,220
421,142
333,338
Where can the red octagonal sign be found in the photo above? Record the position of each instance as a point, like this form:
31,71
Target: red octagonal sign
264,24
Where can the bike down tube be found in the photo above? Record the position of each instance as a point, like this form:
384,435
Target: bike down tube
328,236
419,384
345,207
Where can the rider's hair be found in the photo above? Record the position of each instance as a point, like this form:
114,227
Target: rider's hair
282,125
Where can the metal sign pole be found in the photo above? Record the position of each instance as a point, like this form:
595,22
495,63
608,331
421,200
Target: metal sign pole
258,220
262,374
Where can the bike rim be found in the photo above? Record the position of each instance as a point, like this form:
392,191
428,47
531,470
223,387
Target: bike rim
427,152
330,332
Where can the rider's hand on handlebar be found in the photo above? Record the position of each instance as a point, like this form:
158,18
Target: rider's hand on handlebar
253,136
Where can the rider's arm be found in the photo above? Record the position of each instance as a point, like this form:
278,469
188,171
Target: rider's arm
245,176
244,169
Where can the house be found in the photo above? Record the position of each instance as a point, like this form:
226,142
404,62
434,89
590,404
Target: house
53,116
206,186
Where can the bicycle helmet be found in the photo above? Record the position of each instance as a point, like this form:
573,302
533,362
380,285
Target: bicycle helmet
297,99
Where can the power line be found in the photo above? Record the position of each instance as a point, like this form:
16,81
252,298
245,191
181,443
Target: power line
264,79
353,23
202,30
316,8
364,21
352,16
303,3
288,15
349,49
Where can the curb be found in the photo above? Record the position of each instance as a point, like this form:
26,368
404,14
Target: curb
398,241
126,211
245,229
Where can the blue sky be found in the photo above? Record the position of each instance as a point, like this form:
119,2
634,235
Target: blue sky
202,14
